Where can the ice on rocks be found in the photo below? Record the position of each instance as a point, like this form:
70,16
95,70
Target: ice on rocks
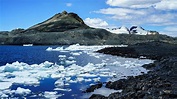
103,91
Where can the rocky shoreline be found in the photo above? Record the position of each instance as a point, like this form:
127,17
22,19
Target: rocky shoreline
159,83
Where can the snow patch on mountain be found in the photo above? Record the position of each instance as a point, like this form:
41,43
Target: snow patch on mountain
137,30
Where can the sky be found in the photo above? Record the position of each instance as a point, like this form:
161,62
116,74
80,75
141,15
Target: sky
158,15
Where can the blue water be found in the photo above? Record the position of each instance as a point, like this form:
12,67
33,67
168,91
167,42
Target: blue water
27,54
37,55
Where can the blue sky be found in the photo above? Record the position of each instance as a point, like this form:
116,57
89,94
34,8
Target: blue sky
159,15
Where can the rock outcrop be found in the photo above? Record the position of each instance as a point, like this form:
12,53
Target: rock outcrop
159,83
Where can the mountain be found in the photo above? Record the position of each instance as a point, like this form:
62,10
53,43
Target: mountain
60,22
141,31
136,30
120,30
68,28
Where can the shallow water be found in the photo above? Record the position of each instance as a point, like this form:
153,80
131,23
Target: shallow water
60,72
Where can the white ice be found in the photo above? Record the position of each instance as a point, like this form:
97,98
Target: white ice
5,85
52,95
110,66
22,91
103,91
77,47
61,89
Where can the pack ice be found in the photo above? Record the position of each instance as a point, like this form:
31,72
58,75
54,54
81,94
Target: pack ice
108,66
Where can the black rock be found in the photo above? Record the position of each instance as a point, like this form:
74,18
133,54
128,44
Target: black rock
93,87
160,82
97,96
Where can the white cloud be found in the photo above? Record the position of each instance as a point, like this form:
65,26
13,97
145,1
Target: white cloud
96,23
161,19
123,14
139,16
120,11
169,33
167,5
158,4
132,3
143,12
171,29
68,4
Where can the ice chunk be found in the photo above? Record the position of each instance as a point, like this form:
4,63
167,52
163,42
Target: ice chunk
67,78
76,53
56,49
103,91
24,80
22,91
67,84
57,75
52,95
87,75
80,79
46,64
5,85
88,80
71,58
4,96
49,49
70,62
62,56
72,81
59,83
16,66
96,79
63,89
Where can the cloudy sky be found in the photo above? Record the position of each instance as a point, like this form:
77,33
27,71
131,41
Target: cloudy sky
159,15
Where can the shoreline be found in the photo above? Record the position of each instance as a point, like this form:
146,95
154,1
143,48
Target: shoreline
159,82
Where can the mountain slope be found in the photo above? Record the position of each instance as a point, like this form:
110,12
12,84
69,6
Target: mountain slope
121,30
60,22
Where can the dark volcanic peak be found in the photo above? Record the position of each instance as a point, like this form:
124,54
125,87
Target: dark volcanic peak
135,27
60,22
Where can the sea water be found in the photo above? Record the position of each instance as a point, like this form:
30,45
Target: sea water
61,71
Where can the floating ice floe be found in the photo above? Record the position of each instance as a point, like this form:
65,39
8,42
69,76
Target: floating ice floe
77,47
61,89
22,91
56,49
5,85
52,95
68,71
